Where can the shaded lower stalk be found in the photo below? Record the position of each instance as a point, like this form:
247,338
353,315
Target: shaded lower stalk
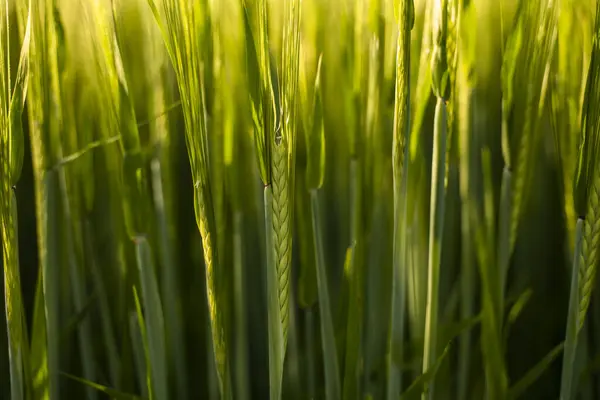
505,244
15,312
568,368
104,309
330,360
436,229
212,373
467,282
241,349
78,287
50,264
218,305
153,317
139,355
399,276
354,327
356,290
294,389
274,321
174,331
310,352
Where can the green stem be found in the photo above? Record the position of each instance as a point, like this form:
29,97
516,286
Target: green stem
15,313
332,383
436,229
504,238
104,309
50,265
171,292
139,356
566,387
467,281
401,142
242,379
310,351
355,301
153,317
78,287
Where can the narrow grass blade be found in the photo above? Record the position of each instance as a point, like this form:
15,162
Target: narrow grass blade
242,366
400,144
139,352
39,350
144,335
309,370
104,308
153,317
50,263
76,319
353,329
534,373
421,385
504,232
332,375
15,312
307,279
78,289
436,230
113,393
174,325
484,240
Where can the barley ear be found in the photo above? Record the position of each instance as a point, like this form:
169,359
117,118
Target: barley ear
587,180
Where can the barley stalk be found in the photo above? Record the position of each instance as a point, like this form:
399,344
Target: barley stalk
465,89
45,120
442,89
532,42
184,32
282,168
401,141
586,200
11,162
435,240
332,384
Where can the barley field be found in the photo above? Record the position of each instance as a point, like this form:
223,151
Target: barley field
300,199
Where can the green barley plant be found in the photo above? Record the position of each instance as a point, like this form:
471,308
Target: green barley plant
184,34
283,150
298,199
401,141
441,85
586,232
466,139
12,154
44,122
534,39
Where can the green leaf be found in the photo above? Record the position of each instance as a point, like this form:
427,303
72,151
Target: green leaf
76,319
420,385
17,103
315,136
113,393
153,317
330,359
144,338
535,372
